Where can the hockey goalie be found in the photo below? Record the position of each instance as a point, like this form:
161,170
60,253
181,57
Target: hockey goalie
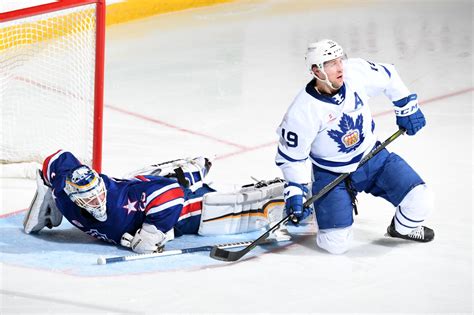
151,206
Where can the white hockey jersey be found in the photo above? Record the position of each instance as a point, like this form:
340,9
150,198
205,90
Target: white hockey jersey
335,132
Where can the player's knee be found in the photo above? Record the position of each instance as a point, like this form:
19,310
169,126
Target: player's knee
335,241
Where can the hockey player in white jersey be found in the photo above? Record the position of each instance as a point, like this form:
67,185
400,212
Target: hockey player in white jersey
330,123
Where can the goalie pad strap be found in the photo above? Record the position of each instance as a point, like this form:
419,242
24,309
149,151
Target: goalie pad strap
180,177
188,172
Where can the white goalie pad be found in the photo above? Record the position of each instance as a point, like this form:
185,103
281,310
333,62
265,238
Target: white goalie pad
189,172
42,211
250,209
159,169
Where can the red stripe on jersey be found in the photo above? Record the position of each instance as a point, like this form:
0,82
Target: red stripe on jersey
46,165
192,207
142,178
165,197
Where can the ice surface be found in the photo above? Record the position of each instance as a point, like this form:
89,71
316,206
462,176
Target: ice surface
216,81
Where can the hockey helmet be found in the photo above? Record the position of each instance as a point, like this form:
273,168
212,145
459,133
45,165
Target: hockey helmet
87,190
321,51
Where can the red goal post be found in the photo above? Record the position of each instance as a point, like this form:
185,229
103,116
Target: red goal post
51,82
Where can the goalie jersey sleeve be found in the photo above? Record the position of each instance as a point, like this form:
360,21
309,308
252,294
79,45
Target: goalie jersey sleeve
335,132
151,199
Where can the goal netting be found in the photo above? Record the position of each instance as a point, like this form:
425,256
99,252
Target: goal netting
51,79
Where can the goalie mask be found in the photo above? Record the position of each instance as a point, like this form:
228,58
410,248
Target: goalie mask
320,52
87,190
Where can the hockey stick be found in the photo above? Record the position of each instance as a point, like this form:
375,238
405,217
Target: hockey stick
103,260
226,255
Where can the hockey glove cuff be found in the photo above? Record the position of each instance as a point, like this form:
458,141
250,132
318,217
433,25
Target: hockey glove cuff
409,115
294,199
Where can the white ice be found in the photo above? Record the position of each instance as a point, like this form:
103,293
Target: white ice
216,81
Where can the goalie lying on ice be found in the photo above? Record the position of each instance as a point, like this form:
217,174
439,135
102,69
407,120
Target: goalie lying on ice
151,206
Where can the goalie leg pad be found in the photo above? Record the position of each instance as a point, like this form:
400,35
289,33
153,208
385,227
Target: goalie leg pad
250,209
43,211
189,172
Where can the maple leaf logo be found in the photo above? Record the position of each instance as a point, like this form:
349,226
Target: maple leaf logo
350,135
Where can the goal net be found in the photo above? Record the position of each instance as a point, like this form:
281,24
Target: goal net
51,82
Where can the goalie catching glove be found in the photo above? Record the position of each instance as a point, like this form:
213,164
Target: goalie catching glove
147,240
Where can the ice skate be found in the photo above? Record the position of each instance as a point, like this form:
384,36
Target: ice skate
420,234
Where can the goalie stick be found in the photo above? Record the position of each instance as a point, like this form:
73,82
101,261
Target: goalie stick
103,260
226,255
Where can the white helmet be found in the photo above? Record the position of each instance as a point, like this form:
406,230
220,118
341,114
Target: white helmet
87,190
320,52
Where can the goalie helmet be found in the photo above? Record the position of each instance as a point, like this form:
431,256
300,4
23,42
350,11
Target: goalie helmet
87,190
320,52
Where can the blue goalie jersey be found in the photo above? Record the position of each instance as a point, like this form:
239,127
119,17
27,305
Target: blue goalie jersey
151,199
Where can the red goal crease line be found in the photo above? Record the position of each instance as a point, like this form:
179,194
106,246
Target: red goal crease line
11,214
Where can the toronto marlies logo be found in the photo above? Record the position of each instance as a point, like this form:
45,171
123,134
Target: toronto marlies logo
350,135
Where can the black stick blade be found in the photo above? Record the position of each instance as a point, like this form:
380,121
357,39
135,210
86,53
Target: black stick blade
225,255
